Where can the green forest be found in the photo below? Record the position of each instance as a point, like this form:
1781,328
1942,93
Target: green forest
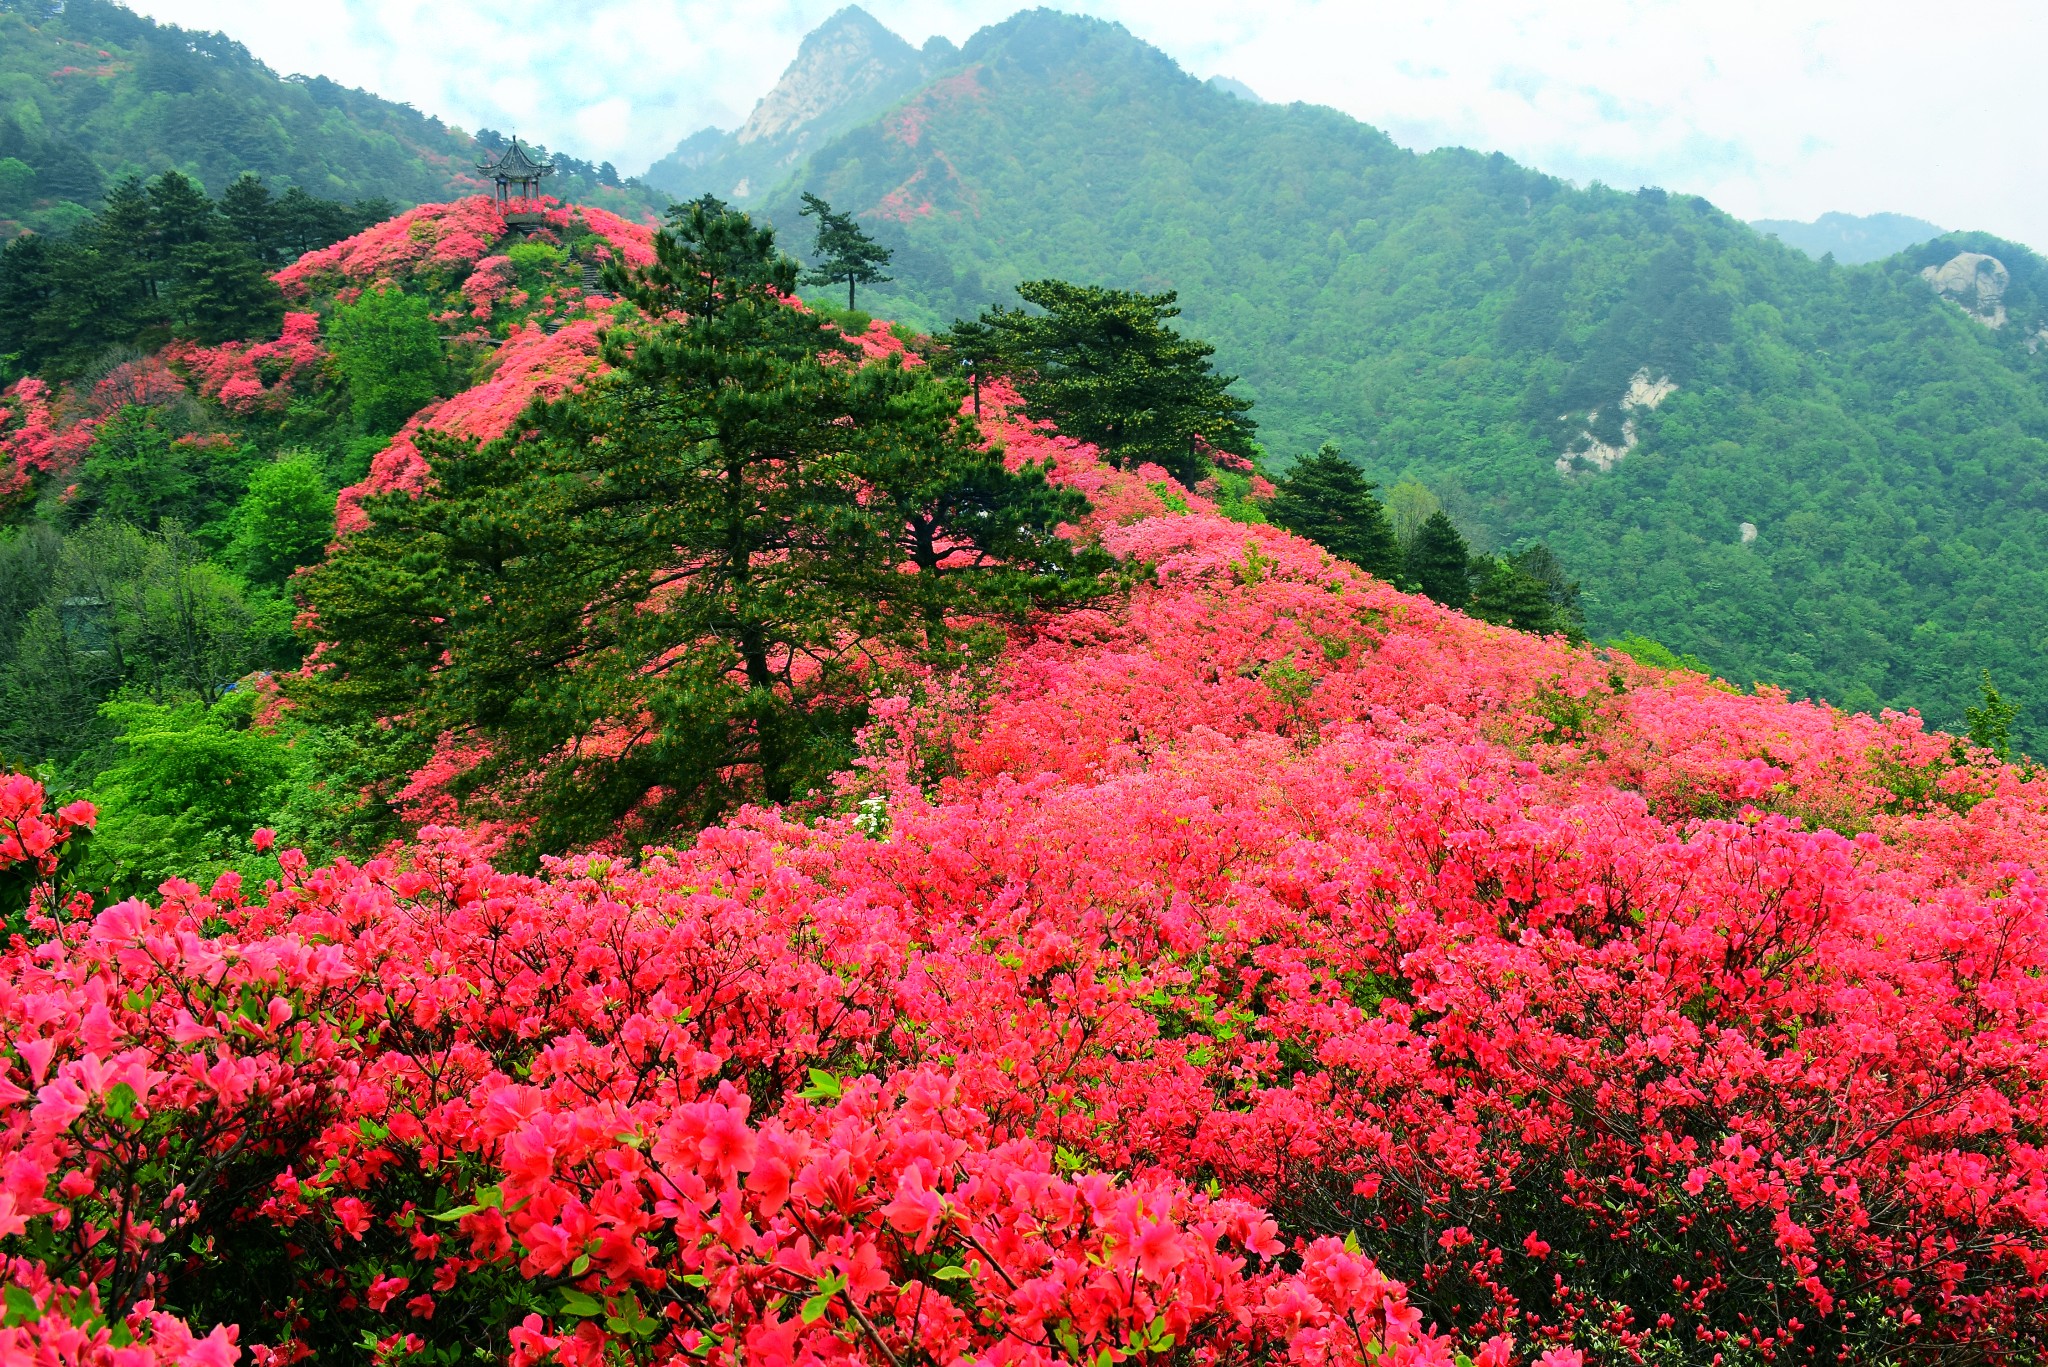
1459,322
91,93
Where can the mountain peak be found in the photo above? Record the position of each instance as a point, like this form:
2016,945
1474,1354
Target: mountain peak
848,68
842,62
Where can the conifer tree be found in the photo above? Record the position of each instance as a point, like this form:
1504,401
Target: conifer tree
664,593
180,215
843,250
1327,500
1439,563
251,214
1105,366
976,347
223,292
1528,591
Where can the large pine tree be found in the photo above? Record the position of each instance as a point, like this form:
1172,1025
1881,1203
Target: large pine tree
675,589
1327,500
1107,368
844,253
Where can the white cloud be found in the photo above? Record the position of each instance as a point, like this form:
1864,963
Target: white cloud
1769,108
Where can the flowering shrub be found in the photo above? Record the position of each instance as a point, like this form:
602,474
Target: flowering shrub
248,378
532,364
33,844
33,443
1276,967
440,244
433,241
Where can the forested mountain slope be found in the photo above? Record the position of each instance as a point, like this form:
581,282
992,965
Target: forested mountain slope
1829,477
91,91
1852,239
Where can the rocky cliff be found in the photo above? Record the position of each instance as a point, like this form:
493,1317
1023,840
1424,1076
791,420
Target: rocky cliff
847,70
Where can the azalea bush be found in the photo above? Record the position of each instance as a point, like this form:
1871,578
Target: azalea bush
1284,968
1263,966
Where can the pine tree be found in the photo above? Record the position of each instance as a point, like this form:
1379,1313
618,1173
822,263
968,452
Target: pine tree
1528,591
223,292
843,251
180,214
1439,563
1327,500
251,214
975,347
1105,366
666,592
708,256
27,287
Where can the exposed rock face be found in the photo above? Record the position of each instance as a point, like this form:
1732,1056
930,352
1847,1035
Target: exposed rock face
844,61
1975,281
1586,451
847,69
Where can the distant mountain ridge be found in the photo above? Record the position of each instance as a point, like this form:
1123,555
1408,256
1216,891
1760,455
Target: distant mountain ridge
1834,478
1852,239
848,69
95,92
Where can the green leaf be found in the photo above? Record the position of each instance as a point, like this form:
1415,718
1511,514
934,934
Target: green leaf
1351,1241
121,1102
21,1307
490,1196
824,1087
579,1303
951,1274
814,1308
450,1216
580,1266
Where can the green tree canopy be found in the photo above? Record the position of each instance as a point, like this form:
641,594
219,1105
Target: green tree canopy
1326,499
1105,366
1528,591
389,354
844,254
672,590
1439,563
284,521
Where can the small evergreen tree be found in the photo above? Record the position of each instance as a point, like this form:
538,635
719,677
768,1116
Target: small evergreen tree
251,214
181,215
1105,366
1528,591
1327,500
975,347
843,251
223,292
1439,563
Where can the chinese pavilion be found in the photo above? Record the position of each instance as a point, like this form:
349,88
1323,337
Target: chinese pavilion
517,173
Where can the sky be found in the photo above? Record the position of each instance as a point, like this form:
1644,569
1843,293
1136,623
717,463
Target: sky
1770,108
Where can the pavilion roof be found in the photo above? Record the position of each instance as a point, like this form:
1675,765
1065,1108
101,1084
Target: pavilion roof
516,163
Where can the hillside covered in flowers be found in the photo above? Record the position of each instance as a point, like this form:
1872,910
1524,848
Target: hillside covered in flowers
1258,964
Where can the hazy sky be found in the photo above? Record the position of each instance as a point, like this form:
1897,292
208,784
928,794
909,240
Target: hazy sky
1771,108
